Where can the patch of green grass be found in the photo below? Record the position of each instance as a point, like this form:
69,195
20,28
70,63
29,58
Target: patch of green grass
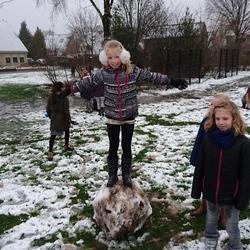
73,178
171,116
33,180
3,168
10,142
43,166
246,242
185,187
82,195
140,131
16,168
89,240
79,141
141,155
13,130
157,120
245,214
159,190
9,221
42,241
19,92
96,138
162,226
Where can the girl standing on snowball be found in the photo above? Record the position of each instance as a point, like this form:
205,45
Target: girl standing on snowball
118,77
222,172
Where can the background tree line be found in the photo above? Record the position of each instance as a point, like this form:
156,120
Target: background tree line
35,44
134,21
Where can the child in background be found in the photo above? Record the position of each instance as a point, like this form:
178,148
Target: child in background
99,98
222,172
118,77
246,99
89,101
58,111
216,99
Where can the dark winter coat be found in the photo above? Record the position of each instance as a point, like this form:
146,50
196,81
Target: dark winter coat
223,175
58,111
120,91
198,141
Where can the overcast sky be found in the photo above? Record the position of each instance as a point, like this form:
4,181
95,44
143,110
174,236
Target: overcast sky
16,11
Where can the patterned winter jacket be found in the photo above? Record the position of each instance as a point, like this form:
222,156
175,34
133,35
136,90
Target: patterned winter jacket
120,91
223,175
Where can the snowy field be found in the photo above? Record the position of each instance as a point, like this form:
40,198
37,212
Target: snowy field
47,194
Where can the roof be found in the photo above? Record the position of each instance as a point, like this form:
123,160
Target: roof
9,41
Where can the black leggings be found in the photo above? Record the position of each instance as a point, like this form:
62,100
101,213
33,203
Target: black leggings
113,134
53,137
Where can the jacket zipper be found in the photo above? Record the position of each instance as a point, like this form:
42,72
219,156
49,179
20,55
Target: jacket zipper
218,176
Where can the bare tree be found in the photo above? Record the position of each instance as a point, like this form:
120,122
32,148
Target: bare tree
86,28
106,16
235,14
141,18
59,5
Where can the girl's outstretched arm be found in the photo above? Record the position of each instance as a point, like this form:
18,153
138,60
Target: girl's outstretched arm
145,75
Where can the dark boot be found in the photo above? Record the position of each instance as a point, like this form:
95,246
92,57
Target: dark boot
113,167
102,111
202,209
126,172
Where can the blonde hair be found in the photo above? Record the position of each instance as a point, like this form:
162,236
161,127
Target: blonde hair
124,56
238,123
221,97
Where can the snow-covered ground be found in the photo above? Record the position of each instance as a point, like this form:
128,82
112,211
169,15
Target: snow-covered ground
45,190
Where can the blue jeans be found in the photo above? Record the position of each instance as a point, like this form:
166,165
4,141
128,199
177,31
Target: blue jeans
232,226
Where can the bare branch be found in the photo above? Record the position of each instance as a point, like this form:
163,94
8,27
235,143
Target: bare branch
4,2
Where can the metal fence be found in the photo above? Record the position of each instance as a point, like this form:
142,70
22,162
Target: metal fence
195,63
228,62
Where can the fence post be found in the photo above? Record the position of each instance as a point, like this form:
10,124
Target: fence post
179,63
226,58
232,64
237,61
200,62
190,65
220,63
168,61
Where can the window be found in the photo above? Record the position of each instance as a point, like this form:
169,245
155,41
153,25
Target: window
7,59
21,59
14,59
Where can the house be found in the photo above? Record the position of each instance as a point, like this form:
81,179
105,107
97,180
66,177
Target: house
70,47
56,43
12,51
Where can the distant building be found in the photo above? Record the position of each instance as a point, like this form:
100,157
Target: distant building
56,44
12,51
70,47
244,47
